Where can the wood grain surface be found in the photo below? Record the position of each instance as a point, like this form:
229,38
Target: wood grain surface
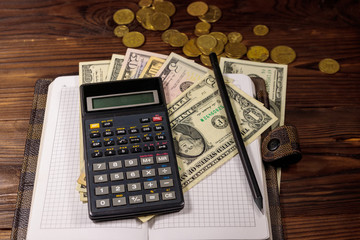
320,196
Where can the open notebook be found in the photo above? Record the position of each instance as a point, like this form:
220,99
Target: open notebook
220,207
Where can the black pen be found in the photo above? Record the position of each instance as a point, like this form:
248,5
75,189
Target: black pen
249,172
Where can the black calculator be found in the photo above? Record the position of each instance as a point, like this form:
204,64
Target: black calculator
130,162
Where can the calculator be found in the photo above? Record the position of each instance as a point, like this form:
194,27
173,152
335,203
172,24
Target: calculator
130,163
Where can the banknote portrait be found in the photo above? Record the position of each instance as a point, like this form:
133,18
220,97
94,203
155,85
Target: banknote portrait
188,141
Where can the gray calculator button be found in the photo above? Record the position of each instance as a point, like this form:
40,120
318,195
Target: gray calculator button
134,187
152,197
118,188
168,195
132,174
135,199
147,160
102,203
100,178
117,176
99,166
119,201
164,171
166,183
115,165
101,191
150,184
162,159
148,172
131,162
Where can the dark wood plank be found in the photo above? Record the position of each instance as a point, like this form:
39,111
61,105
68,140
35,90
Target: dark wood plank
319,195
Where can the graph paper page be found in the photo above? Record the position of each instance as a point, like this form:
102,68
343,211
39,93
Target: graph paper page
221,206
56,210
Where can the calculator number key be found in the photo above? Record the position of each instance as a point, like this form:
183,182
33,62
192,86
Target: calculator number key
102,203
99,167
117,176
115,165
101,191
100,178
131,162
132,174
134,187
118,188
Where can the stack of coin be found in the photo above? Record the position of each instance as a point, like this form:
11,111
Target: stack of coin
174,38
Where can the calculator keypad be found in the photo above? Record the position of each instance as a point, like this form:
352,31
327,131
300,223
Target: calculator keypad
131,163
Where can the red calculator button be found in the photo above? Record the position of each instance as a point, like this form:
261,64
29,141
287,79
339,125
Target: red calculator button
157,119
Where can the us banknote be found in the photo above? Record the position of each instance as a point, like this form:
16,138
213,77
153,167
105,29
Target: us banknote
134,62
275,76
93,72
178,74
201,134
114,67
152,67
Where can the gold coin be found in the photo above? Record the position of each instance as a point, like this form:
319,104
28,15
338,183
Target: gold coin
197,9
235,37
178,39
123,16
199,32
205,60
206,43
283,54
257,53
160,21
121,30
220,37
165,36
219,48
261,30
235,50
190,49
212,15
203,26
329,66
165,7
133,39
143,14
145,3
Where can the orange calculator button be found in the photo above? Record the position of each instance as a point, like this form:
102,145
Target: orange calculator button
94,125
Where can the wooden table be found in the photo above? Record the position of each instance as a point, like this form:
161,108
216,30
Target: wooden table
320,196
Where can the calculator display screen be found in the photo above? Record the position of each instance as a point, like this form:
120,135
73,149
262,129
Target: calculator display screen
123,100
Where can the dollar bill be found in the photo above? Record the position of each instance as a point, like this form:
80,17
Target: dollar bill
134,62
114,67
152,67
178,74
275,76
92,72
201,133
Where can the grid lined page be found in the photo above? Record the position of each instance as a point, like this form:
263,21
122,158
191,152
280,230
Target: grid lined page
62,207
224,199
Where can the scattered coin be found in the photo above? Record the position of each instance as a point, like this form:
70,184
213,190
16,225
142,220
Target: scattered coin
206,43
235,37
329,66
145,3
178,39
165,7
220,37
165,36
123,16
212,15
190,49
261,30
235,50
121,30
202,28
160,21
144,14
257,53
197,9
133,39
205,59
283,54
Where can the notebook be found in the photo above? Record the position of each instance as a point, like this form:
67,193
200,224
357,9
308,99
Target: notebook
220,207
